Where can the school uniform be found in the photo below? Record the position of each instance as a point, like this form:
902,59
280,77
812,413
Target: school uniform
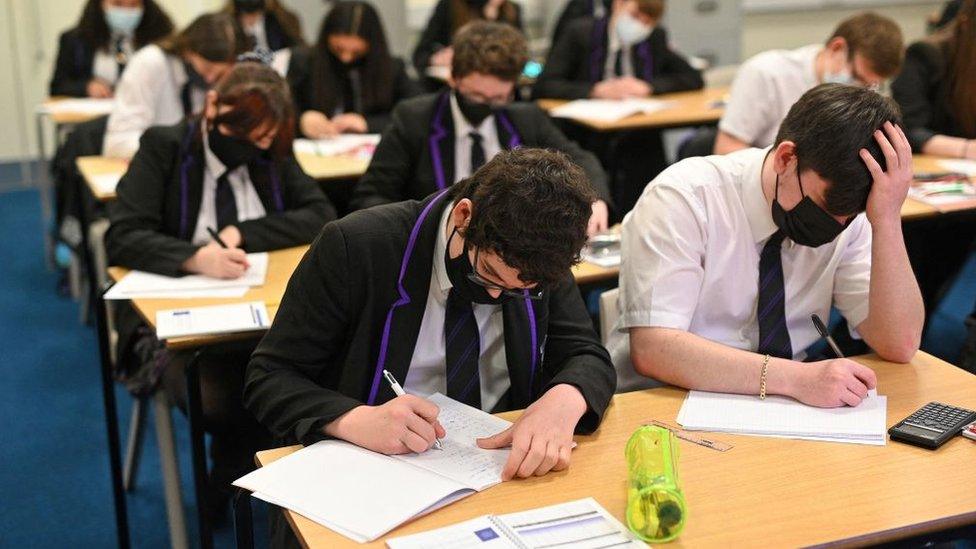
439,32
268,33
155,90
589,53
78,63
691,253
578,9
166,201
428,147
345,95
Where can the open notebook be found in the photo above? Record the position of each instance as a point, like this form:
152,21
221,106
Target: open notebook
143,285
784,417
580,524
608,110
363,495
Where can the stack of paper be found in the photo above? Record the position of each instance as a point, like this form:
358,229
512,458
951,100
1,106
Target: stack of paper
607,110
143,285
785,418
346,144
105,183
215,319
945,196
362,494
94,107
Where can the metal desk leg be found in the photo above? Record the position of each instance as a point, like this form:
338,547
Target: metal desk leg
198,447
171,472
44,187
112,427
243,521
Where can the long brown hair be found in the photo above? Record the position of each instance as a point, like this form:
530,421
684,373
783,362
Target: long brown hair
287,19
216,37
257,96
958,43
463,13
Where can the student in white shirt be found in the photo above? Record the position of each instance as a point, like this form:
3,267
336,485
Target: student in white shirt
92,55
864,50
165,82
726,257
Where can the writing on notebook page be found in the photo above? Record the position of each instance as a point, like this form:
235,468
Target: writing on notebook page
461,459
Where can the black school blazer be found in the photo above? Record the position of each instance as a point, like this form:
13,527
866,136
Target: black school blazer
73,67
355,305
415,156
577,59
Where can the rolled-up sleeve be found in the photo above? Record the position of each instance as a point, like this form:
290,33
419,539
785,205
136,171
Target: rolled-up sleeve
852,280
747,117
663,250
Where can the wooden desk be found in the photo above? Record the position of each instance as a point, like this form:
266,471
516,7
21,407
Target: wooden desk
91,166
332,167
588,273
66,117
281,264
780,493
690,108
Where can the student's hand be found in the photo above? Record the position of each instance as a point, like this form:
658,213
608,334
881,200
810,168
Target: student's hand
832,383
350,122
442,57
214,261
405,424
231,236
98,89
316,125
542,438
608,89
599,219
635,87
890,188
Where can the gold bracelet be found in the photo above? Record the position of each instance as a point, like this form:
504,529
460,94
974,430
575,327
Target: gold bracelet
762,378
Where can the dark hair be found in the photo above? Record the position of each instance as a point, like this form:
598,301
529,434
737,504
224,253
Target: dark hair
154,25
376,73
287,19
466,11
216,37
875,37
257,95
531,207
489,48
958,43
829,125
651,8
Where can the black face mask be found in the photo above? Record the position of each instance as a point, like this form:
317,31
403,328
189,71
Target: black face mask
476,113
806,224
249,6
194,78
477,4
458,270
231,151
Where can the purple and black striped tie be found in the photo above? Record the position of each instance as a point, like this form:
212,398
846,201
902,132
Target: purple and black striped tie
463,349
774,336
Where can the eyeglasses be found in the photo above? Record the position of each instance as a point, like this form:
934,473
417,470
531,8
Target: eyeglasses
534,294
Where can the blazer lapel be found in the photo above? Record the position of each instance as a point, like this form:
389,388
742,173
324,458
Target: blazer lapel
265,183
406,311
643,60
524,350
508,135
190,180
598,49
441,142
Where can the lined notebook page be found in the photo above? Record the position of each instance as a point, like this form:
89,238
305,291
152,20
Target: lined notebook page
784,417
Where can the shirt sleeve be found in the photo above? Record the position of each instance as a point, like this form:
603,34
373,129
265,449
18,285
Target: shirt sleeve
746,116
663,250
852,280
135,104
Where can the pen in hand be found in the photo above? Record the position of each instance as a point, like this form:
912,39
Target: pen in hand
822,328
216,237
398,391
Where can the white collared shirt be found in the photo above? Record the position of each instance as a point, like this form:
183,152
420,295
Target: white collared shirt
258,33
105,64
463,141
626,63
148,94
249,205
691,250
764,89
428,368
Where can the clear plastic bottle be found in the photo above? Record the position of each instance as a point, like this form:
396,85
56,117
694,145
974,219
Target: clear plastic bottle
655,504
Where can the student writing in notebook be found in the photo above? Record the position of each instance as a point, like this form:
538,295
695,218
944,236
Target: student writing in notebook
726,257
467,292
864,50
438,139
348,82
230,169
93,54
165,82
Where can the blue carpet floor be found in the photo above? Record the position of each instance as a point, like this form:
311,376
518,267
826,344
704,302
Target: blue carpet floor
55,475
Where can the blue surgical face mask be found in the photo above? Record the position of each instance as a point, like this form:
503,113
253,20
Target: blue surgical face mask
630,31
123,20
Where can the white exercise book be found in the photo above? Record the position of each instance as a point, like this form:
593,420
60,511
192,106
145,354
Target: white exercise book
362,494
106,183
580,524
143,285
341,144
608,110
214,319
783,417
80,105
